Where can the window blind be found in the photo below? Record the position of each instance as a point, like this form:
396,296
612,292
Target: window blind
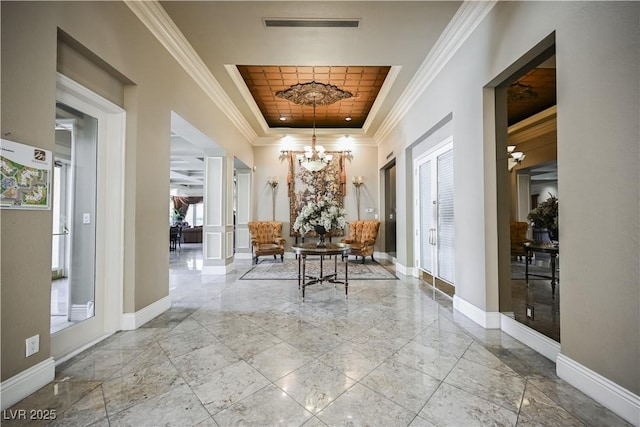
446,228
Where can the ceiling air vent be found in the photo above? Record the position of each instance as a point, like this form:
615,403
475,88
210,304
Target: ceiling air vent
312,23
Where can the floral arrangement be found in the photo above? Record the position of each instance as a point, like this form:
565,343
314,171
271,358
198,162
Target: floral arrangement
545,215
326,213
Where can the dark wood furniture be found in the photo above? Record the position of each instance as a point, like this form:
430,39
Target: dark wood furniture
550,249
305,249
191,235
174,237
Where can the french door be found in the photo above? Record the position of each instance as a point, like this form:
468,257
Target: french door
435,231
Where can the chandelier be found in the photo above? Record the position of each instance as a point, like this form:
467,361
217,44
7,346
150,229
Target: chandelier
313,93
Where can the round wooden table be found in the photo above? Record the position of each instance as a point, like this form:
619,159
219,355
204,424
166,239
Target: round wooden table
335,249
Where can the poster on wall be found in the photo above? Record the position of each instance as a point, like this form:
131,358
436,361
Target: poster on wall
26,176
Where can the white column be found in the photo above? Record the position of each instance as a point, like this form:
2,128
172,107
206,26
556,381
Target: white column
243,213
217,231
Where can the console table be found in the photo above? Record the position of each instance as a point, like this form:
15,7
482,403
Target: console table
305,249
550,249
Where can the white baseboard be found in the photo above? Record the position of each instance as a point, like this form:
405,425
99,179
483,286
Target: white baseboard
218,269
19,386
380,255
488,320
81,349
609,394
530,337
407,271
78,312
242,255
132,321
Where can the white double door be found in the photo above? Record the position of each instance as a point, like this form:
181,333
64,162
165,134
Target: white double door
434,205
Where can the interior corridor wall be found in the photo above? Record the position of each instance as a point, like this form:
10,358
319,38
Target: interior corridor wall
159,85
267,164
597,53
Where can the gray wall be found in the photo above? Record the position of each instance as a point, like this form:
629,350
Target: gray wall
29,59
597,51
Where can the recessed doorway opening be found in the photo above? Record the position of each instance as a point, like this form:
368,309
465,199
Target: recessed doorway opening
526,129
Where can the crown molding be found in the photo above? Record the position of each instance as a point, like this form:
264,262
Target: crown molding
297,142
382,95
246,95
160,24
465,20
532,127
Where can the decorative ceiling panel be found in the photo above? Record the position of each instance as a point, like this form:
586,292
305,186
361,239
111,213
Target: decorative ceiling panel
532,93
364,82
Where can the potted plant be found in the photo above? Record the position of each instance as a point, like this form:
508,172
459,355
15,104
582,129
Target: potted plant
177,216
545,215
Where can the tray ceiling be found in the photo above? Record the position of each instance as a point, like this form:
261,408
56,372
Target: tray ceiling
364,82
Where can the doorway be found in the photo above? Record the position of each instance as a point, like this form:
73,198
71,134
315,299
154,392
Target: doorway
529,286
88,201
390,209
435,228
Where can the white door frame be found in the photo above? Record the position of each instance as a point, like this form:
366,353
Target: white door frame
431,154
109,220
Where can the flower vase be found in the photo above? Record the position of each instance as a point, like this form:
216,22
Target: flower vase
321,231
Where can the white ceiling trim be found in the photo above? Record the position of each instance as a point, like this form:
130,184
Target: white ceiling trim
466,19
382,95
246,94
156,19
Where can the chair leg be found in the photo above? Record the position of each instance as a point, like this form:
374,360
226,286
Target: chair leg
274,257
363,258
282,257
372,258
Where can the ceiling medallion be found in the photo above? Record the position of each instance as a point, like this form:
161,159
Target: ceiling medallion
520,92
314,158
314,93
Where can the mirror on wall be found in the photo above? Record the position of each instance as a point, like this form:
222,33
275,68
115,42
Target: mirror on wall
74,218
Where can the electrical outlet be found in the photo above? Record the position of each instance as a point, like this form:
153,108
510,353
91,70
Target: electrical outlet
33,345
530,312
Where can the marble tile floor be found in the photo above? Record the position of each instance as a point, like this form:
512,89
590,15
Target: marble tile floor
232,352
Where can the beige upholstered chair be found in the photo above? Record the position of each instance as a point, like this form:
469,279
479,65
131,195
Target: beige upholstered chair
362,237
266,239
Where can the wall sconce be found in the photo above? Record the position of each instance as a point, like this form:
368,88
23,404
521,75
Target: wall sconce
273,183
515,157
358,181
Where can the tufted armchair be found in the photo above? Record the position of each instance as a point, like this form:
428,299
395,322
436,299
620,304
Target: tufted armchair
362,237
518,233
266,239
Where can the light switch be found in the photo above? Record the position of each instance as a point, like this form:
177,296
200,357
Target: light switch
86,218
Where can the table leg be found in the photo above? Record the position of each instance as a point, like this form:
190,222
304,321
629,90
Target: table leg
553,274
526,272
346,277
299,268
304,272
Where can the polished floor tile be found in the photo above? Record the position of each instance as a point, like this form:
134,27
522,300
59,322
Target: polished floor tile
250,352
